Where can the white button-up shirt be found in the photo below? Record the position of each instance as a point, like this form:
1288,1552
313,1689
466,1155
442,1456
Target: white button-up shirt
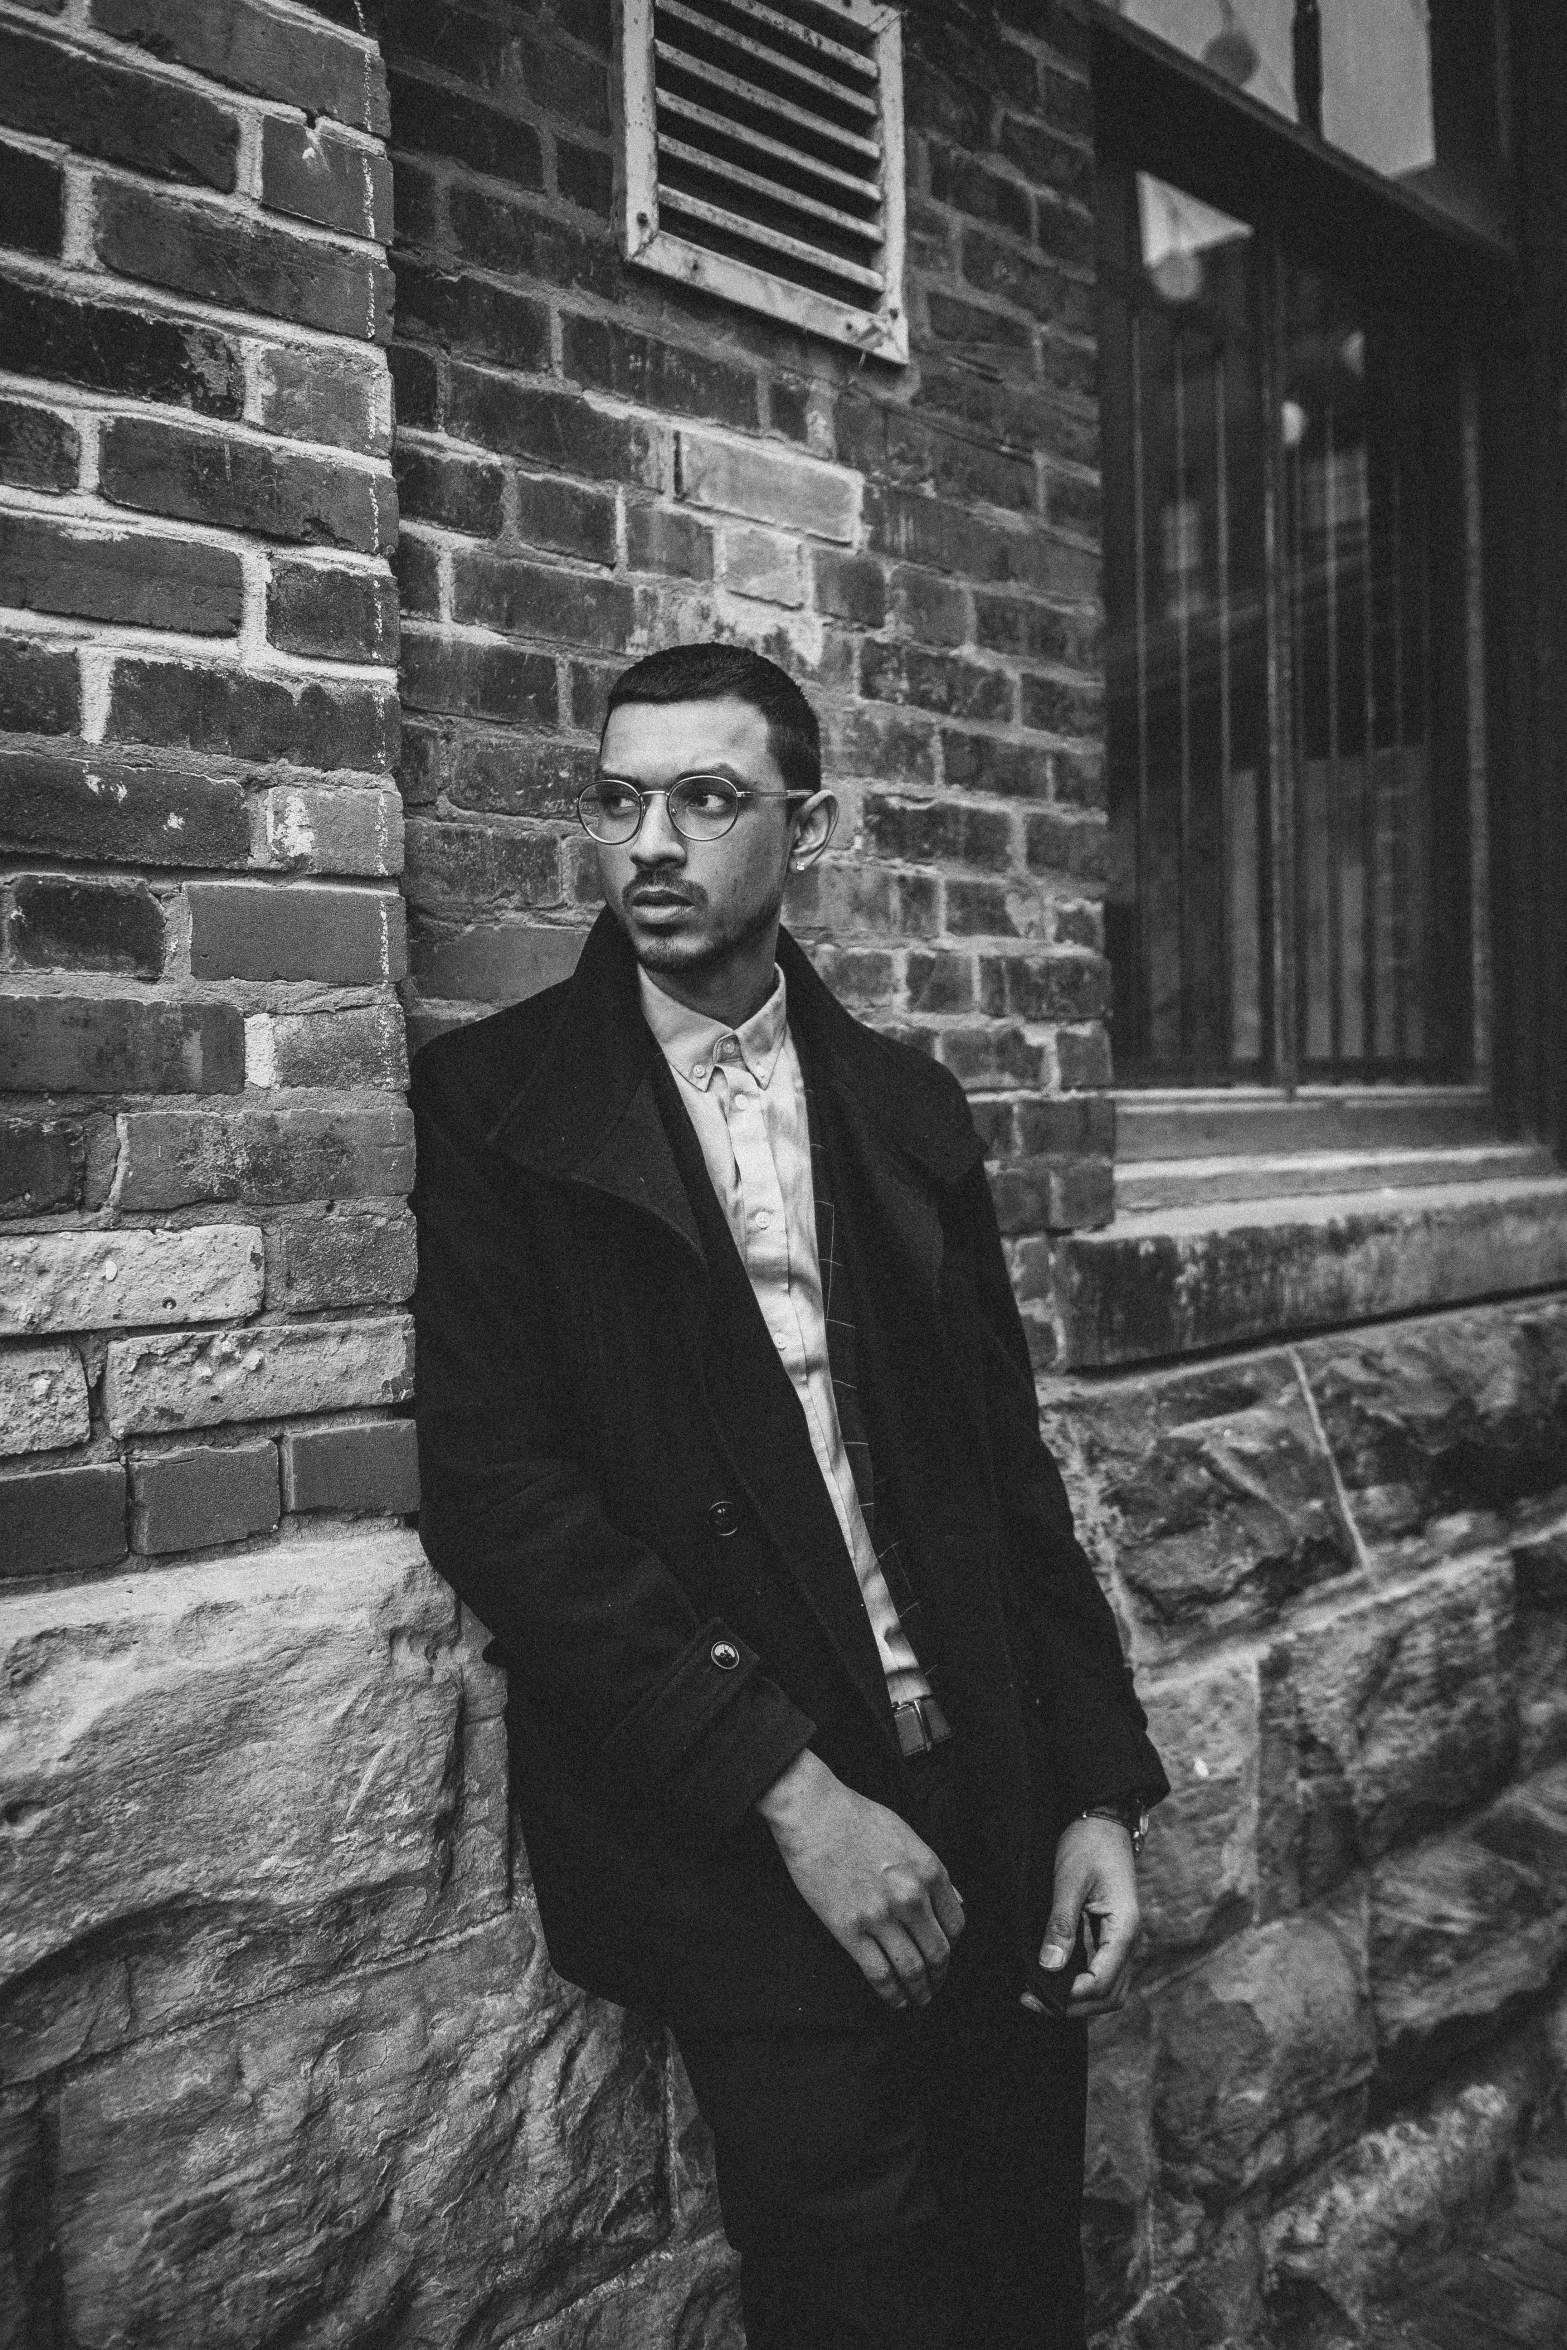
745,1093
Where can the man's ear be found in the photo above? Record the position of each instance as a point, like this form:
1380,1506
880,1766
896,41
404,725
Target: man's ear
814,822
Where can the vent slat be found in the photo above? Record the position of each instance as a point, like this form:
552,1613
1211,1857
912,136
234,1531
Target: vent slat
864,232
739,224
713,77
861,102
725,126
851,60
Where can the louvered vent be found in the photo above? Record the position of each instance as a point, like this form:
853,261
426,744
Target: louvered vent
764,158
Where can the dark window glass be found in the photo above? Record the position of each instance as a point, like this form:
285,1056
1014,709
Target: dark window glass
1283,503
1407,87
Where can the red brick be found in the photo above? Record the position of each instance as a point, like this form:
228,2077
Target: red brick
65,921
939,983
416,387
62,1518
454,124
310,172
611,358
97,108
302,827
32,201
876,740
119,1044
467,313
1057,705
42,1164
317,608
245,485
1033,285
1083,1059
417,565
115,810
343,1050
492,232
853,586
464,867
40,688
253,717
1044,1195
342,1258
197,1497
932,832
107,348
338,398
660,539
529,599
255,49
934,681
931,609
242,264
479,680
511,60
1036,632
584,177
289,930
515,774
1046,159
972,186
548,428
459,493
1010,770
567,520
273,1157
1044,987
374,1466
992,1056
1060,1126
141,581
38,450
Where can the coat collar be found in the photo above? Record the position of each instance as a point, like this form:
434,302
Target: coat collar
586,1111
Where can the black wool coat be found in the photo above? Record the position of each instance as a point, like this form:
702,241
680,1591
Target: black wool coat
618,1479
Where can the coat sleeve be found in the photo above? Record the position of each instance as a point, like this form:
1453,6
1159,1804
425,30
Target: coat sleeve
1086,1711
671,1714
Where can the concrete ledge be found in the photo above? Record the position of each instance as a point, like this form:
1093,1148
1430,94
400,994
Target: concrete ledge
1157,1285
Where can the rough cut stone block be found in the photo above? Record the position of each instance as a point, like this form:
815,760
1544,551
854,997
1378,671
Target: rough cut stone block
1466,1928
54,1518
269,1371
1207,1490
1539,1548
258,930
96,1280
1219,1844
208,1494
42,1165
174,1158
1120,2165
1460,1412
768,485
452,2140
1402,2189
239,1776
1263,2049
372,1466
43,1398
119,1044
1405,1708
1163,1284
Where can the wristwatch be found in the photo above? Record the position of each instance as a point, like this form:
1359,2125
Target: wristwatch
1132,1816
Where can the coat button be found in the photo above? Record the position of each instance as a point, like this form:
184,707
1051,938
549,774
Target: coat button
725,1655
724,1517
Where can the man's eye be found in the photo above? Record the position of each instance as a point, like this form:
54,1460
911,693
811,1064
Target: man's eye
707,799
615,799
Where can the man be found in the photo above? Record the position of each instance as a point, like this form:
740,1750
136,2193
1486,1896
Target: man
820,1725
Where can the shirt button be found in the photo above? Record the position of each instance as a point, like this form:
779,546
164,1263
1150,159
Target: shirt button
725,1655
724,1517
761,1219
699,1071
726,1048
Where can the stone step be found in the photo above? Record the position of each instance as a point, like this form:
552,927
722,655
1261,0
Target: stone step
1168,1281
1146,1184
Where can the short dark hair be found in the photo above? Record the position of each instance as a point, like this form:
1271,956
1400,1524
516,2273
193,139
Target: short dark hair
719,673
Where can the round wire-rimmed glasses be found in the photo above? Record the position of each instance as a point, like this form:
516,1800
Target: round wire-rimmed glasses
701,807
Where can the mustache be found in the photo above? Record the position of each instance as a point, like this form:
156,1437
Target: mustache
656,887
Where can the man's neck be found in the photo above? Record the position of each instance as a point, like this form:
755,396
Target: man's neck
730,990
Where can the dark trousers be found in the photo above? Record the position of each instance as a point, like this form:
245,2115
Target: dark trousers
915,2184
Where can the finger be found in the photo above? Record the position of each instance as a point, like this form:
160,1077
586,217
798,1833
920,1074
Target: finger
907,1961
879,1973
923,1930
947,1903
1065,1909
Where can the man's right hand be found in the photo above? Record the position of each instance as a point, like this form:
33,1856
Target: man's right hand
877,1888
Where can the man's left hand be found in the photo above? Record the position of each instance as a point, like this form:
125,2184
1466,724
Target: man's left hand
1096,1873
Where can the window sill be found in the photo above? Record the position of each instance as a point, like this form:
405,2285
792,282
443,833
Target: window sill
1179,1279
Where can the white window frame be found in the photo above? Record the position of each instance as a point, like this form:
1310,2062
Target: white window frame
880,333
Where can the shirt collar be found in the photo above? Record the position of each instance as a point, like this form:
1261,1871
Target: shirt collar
692,1044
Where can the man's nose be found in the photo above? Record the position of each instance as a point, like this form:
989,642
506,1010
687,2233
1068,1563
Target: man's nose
657,841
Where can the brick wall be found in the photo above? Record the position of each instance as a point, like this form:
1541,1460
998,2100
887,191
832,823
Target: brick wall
592,463
204,1148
